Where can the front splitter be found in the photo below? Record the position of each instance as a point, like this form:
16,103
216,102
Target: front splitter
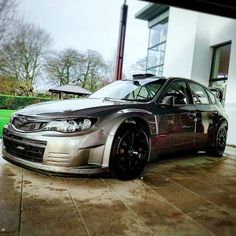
54,170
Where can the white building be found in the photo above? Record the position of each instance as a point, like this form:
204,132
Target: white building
194,45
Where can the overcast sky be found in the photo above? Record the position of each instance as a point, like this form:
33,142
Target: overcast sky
89,24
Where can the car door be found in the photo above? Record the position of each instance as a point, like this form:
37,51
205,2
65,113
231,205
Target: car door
177,117
205,113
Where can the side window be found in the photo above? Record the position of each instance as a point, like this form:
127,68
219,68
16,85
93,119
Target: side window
199,94
178,91
212,96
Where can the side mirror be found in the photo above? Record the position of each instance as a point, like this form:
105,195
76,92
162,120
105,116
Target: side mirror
168,100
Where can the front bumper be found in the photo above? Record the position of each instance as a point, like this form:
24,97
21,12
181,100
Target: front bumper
54,170
52,154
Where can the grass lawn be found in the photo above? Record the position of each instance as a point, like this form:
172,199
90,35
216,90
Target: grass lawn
4,118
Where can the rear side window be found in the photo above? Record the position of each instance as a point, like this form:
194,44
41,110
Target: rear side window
212,96
199,94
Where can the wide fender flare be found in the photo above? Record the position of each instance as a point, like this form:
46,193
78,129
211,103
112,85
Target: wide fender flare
126,115
212,132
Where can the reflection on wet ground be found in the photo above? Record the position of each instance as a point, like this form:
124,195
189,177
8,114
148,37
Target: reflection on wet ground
190,194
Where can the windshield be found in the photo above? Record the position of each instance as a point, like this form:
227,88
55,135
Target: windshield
143,90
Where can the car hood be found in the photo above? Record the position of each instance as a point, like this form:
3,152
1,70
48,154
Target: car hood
70,107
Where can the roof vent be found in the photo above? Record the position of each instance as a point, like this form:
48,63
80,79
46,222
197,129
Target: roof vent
142,76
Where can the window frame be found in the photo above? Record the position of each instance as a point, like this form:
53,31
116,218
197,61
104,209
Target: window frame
209,93
193,101
213,79
188,93
162,20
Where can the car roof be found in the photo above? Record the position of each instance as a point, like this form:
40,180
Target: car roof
164,79
153,78
146,79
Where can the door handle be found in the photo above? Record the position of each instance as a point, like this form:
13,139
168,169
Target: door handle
186,127
192,115
215,112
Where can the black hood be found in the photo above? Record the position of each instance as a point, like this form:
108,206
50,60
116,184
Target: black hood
70,107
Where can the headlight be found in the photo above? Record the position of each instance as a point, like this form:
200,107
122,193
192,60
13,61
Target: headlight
69,126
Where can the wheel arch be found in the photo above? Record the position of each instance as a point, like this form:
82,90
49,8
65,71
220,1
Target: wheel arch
215,148
221,121
130,119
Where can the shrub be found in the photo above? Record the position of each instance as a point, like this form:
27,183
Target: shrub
8,85
16,102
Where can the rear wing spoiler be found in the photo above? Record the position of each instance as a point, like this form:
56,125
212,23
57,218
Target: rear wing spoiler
218,93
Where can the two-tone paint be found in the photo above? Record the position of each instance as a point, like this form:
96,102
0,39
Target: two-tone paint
169,128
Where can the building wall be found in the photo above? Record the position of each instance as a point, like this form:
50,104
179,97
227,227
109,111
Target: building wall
188,53
223,30
202,56
190,39
180,46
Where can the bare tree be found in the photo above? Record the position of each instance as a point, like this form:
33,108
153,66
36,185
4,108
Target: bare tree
92,70
22,56
62,67
72,67
111,68
139,66
7,15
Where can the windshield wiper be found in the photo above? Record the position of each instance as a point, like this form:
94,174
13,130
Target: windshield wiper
112,99
135,100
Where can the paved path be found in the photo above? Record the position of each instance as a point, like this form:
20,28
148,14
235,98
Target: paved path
180,195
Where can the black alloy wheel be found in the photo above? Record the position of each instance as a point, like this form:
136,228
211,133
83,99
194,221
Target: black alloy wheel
130,152
220,142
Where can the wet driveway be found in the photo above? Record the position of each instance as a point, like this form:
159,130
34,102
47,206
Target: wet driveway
179,195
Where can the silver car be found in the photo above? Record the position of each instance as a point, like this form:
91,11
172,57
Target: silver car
119,128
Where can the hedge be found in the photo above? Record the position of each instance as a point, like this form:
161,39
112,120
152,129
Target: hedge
10,102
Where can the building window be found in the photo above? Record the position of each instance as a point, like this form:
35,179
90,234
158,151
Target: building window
220,63
220,67
156,48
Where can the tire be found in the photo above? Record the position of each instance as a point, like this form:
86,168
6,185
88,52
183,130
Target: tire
219,143
130,151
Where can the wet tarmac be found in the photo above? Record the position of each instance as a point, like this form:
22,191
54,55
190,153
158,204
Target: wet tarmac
190,194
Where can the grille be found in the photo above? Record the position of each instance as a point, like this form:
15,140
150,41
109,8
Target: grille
21,148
